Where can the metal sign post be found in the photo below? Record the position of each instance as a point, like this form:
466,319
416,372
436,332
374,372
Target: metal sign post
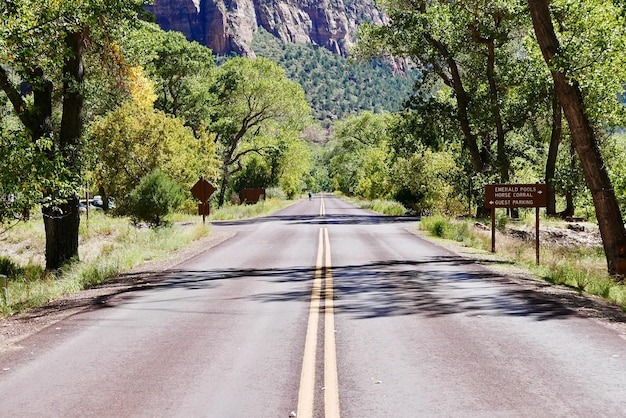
515,196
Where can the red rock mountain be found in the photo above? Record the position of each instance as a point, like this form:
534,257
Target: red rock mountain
228,26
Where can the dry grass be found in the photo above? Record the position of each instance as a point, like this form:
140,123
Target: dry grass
108,245
576,263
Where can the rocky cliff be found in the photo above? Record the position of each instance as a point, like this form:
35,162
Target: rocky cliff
228,26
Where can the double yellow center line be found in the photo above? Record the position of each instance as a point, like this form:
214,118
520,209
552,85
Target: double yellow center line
323,279
322,207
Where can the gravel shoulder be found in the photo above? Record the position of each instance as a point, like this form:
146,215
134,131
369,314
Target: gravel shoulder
16,328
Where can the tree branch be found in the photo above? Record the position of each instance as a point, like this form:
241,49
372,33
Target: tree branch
14,96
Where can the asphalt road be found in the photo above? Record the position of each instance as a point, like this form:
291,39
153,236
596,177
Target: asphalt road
321,310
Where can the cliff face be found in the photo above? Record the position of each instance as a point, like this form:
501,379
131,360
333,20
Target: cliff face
228,26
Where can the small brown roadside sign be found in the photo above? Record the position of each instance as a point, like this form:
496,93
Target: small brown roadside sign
516,195
202,190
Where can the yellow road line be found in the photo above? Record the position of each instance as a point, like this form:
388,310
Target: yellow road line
306,393
331,379
322,207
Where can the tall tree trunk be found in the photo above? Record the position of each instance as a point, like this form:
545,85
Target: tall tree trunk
454,81
570,209
553,151
452,78
62,220
224,183
61,223
504,164
583,137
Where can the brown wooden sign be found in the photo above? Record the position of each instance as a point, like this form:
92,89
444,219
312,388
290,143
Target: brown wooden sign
252,195
202,190
516,195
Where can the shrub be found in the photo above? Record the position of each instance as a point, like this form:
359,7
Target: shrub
275,193
154,198
8,267
389,207
439,226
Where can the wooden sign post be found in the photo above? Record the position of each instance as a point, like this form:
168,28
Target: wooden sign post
515,196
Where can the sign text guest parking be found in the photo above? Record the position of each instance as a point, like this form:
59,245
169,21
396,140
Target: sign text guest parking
515,196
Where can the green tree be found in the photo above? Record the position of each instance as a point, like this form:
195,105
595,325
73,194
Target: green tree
424,182
362,156
42,44
182,71
254,104
473,74
131,141
295,166
425,31
570,89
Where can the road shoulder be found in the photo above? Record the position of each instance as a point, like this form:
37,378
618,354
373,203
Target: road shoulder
16,328
585,305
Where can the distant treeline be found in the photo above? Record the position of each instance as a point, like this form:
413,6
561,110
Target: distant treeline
335,86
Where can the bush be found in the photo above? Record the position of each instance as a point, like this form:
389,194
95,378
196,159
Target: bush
275,193
389,207
154,198
8,267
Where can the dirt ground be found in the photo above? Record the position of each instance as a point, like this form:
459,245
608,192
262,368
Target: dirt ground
15,328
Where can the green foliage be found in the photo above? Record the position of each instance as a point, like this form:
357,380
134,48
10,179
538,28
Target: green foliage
423,182
388,207
439,226
182,71
615,156
257,110
475,85
155,197
294,169
26,173
335,86
360,159
275,193
131,141
8,267
593,50
43,46
446,228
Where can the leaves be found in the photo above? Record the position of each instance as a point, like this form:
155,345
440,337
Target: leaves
131,141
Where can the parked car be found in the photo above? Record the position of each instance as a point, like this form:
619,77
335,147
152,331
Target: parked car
82,206
99,203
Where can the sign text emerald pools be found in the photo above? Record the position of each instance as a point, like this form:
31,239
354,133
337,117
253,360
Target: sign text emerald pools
515,195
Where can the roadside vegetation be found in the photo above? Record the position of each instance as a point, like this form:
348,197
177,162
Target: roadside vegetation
579,267
109,245
492,103
385,207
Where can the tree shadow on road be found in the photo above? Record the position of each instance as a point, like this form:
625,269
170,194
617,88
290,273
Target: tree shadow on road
331,219
435,287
